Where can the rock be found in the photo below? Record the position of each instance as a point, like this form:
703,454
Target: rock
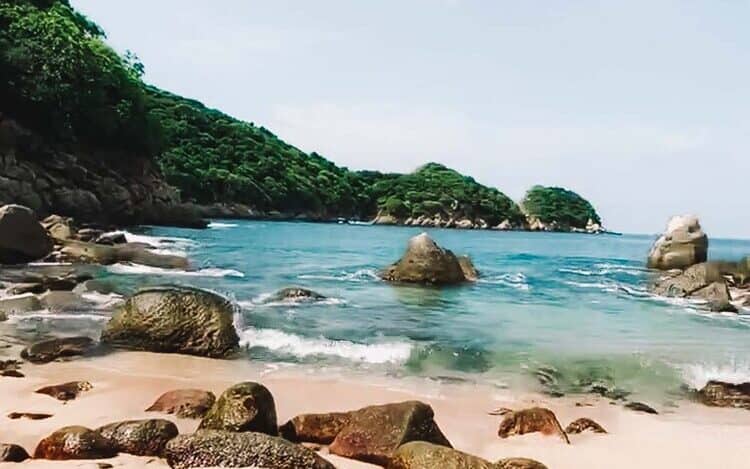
704,281
74,442
374,433
56,301
80,251
53,349
718,297
315,428
425,262
22,238
467,267
504,225
11,374
12,453
721,394
423,455
295,294
683,244
174,320
66,391
244,407
184,403
41,284
641,407
140,437
519,463
385,219
535,419
216,448
111,238
464,224
20,304
28,415
59,227
88,235
583,424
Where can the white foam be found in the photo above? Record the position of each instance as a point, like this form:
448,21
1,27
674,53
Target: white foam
138,269
102,299
697,375
279,341
263,300
158,244
515,280
362,275
566,270
218,226
46,315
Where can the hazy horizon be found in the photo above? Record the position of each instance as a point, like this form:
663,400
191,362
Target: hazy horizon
642,107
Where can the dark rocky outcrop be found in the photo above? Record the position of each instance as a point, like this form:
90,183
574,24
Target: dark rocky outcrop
315,428
184,403
53,349
12,453
174,320
66,391
139,437
374,433
535,419
427,263
244,407
22,238
423,455
721,394
683,244
583,424
74,442
216,448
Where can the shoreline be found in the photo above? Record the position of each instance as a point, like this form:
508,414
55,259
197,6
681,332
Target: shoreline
125,383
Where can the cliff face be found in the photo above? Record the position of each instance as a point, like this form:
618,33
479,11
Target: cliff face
87,184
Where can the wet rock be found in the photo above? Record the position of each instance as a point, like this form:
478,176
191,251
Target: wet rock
74,442
53,349
140,437
613,393
56,301
295,294
467,267
184,403
216,448
641,407
66,391
315,428
59,227
135,253
683,244
42,283
583,424
718,297
22,238
20,304
28,415
12,453
704,281
244,407
519,463
425,262
535,419
111,238
11,374
374,433
423,455
174,320
721,394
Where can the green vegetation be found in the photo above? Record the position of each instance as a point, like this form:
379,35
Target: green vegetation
555,204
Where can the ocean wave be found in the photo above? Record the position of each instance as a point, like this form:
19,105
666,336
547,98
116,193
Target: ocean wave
612,287
603,270
515,280
264,299
103,300
46,315
362,275
696,375
158,244
301,347
138,269
218,226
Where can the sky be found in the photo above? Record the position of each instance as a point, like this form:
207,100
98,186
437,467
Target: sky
642,107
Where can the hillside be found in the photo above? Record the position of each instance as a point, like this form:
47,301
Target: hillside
559,209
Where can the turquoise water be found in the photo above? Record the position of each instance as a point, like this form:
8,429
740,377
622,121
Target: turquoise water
575,304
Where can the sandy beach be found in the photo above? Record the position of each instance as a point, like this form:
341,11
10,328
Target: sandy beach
126,383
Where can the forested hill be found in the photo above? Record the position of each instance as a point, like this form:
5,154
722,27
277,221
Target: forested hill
104,131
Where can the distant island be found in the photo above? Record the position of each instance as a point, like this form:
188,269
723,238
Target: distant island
82,135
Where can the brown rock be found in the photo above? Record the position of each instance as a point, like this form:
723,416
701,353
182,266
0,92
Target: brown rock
22,238
52,349
244,407
374,433
423,455
315,428
12,453
467,266
641,407
28,415
140,437
721,394
519,463
66,391
74,442
683,244
184,403
425,262
583,424
535,419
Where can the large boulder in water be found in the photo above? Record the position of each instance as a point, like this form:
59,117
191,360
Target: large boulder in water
74,442
174,320
425,262
374,433
703,281
22,237
215,448
683,244
244,407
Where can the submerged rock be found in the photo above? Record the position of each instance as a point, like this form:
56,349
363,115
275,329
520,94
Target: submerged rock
244,407
53,349
295,294
184,403
721,394
423,455
583,424
66,391
216,448
683,244
75,442
12,453
425,262
22,238
535,419
374,433
315,428
174,320
140,437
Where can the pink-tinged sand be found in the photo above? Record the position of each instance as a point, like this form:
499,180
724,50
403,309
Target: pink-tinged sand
125,383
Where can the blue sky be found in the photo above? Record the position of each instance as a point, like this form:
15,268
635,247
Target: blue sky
641,106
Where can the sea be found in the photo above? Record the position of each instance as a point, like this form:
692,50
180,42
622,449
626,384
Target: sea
559,313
